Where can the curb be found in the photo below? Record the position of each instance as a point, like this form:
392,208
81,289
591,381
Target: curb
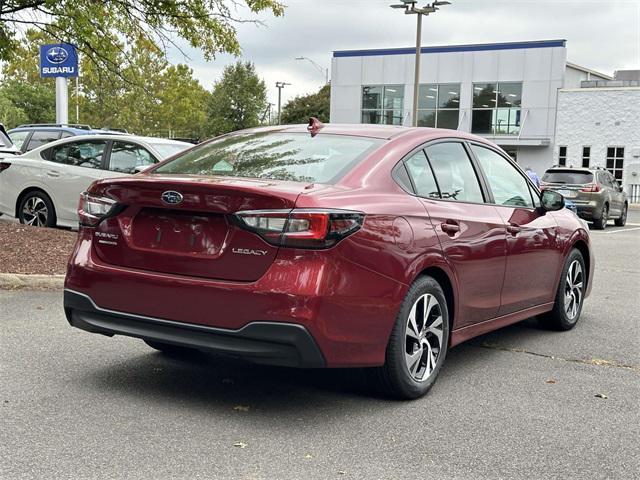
634,206
19,281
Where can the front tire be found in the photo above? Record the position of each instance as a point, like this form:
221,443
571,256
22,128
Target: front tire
36,209
570,295
418,343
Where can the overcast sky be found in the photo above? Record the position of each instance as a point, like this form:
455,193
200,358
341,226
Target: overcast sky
603,35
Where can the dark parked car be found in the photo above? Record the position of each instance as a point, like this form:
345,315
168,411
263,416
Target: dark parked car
595,193
342,246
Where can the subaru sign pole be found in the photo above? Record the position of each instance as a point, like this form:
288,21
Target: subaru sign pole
59,60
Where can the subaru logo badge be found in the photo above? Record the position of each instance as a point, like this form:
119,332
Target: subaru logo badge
57,55
172,197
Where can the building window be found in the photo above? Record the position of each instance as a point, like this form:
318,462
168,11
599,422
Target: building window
615,161
383,104
439,105
586,156
496,108
562,156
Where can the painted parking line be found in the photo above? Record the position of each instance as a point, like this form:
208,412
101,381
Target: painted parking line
622,230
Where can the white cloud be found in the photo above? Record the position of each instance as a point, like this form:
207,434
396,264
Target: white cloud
602,35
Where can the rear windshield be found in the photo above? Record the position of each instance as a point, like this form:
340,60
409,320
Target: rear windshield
567,176
280,156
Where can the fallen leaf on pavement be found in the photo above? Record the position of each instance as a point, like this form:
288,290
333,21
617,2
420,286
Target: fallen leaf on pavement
240,444
307,456
600,395
551,380
241,408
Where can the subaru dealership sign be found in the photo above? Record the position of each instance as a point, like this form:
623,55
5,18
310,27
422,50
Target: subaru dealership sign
58,60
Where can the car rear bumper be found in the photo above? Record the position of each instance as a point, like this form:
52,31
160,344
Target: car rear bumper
271,343
346,309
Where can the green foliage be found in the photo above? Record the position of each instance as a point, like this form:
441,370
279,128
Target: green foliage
162,100
238,100
98,28
301,108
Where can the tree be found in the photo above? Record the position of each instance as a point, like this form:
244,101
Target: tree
301,108
99,28
238,100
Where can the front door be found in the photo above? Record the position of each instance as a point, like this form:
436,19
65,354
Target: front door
471,232
533,253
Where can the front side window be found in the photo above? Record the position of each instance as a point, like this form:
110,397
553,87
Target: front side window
508,186
496,108
42,137
279,156
18,138
79,154
615,161
383,104
454,173
439,105
125,157
422,176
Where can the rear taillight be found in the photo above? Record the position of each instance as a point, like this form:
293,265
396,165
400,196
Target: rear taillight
591,188
4,166
302,228
92,209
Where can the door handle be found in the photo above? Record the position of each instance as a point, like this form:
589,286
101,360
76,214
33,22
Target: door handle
53,173
513,229
450,228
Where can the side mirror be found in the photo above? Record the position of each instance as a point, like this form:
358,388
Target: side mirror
551,201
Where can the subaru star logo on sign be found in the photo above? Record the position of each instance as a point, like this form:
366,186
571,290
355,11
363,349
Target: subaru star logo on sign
58,60
171,197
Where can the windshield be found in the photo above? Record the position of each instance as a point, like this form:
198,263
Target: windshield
280,156
167,150
567,176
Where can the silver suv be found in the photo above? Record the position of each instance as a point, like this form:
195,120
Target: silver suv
596,194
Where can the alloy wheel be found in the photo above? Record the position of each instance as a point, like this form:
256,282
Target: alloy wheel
573,290
605,216
35,212
423,337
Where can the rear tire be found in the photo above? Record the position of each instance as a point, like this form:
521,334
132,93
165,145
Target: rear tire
622,221
418,343
601,223
168,348
570,295
36,209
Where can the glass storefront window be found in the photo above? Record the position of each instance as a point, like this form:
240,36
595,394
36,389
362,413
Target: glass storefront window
383,104
439,105
496,108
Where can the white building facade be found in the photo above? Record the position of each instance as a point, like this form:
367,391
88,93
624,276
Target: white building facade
600,127
506,92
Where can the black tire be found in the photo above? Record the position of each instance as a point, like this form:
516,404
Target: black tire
394,378
601,223
31,212
622,221
168,348
558,318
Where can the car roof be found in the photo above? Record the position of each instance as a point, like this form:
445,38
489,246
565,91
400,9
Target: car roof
385,132
106,137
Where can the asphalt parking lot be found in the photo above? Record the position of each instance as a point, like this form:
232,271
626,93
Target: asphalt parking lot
518,403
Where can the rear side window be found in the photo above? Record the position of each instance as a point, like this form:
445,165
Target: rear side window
508,186
280,156
567,176
79,154
125,157
18,138
454,173
422,176
42,137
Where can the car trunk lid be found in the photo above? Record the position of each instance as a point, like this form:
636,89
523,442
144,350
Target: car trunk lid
195,236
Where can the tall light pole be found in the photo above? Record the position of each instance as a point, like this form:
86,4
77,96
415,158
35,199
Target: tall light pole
280,86
320,68
410,8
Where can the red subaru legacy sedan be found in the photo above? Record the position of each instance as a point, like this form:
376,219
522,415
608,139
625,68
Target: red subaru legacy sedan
328,246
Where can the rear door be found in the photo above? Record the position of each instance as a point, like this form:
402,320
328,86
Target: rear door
617,198
533,254
471,232
71,168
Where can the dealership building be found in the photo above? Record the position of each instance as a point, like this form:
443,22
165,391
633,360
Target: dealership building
508,93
